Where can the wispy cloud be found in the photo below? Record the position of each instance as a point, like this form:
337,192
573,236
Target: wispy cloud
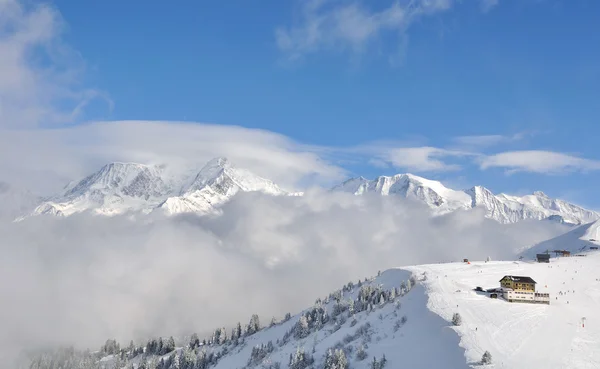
538,161
485,141
38,72
352,25
487,5
422,159
348,25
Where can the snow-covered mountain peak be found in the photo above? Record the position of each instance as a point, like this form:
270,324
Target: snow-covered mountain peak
540,194
214,168
227,179
433,193
216,183
480,196
130,179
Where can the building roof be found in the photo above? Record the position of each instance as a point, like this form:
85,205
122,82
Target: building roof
543,256
520,279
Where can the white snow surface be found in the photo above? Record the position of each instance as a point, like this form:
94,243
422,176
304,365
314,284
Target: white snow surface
520,335
425,341
577,240
502,208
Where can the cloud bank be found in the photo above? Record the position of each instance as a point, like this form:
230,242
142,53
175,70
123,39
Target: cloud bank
83,279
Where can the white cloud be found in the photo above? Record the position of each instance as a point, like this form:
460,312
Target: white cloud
422,159
38,72
351,25
101,278
484,141
48,158
538,161
487,5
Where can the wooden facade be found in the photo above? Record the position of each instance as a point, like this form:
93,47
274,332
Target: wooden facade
517,283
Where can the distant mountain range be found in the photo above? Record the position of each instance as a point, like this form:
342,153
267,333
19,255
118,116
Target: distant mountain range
118,188
502,208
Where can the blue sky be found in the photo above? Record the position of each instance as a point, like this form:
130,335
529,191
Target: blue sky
374,87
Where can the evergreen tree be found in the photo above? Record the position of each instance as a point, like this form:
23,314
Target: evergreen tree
335,359
456,319
301,360
194,341
168,345
302,328
254,325
361,354
486,358
222,336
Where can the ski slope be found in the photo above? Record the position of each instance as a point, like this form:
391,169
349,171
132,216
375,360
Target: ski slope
522,335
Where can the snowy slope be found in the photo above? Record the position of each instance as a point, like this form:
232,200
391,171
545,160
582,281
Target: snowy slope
405,315
397,327
502,208
577,240
523,335
411,326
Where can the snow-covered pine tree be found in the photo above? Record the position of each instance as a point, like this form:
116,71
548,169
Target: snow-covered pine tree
238,330
168,345
301,328
486,358
194,341
254,325
301,360
222,336
456,319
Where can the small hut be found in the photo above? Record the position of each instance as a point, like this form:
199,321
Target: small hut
543,258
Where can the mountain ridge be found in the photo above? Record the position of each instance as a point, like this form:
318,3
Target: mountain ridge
121,187
502,207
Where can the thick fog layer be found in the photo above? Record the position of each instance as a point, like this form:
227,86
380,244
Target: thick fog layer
83,279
